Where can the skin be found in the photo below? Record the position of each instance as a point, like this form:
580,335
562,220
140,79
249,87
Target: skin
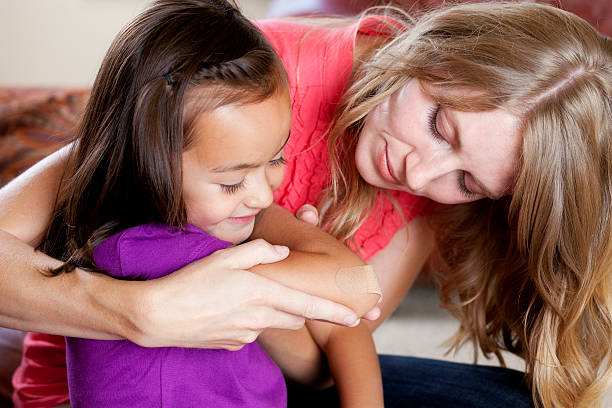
237,162
457,157
312,265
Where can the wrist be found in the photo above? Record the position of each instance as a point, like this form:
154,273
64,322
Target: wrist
114,303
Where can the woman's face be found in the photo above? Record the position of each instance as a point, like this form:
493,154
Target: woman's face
236,163
410,143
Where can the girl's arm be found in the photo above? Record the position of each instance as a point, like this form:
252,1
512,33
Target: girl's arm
318,263
353,363
162,312
397,266
313,266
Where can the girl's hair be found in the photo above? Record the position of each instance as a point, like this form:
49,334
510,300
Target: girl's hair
530,273
175,60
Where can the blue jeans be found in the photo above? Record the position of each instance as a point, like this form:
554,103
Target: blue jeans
425,383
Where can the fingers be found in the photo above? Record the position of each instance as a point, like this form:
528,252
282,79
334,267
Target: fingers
308,213
259,318
248,326
375,312
287,321
372,314
310,307
252,253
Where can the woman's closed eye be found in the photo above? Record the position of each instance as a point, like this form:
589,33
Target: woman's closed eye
466,192
433,123
433,127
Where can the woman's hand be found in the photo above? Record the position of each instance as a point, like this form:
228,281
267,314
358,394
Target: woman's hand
216,303
213,303
308,213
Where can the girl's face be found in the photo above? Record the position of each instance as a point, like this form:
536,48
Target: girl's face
235,164
410,143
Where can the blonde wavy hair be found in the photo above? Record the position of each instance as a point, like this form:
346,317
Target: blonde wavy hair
530,273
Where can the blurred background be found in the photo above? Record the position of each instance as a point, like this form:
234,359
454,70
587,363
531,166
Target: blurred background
60,44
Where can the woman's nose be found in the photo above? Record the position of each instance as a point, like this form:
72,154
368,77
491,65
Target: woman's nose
425,170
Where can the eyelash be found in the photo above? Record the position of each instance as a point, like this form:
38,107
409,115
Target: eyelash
433,129
432,119
232,188
463,188
278,162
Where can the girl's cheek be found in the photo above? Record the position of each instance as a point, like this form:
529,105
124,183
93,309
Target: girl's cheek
278,177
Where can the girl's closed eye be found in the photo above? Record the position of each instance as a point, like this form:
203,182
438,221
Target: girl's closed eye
232,188
278,162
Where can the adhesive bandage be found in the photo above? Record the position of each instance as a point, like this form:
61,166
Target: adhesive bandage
358,280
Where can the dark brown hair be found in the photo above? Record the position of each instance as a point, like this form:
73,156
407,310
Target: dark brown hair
174,60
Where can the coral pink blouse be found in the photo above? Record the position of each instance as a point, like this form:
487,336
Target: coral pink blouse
318,62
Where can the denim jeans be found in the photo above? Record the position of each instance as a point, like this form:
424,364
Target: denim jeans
424,383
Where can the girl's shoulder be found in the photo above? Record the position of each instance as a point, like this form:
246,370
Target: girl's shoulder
153,250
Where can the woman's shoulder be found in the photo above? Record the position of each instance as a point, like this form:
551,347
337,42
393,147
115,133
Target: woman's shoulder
303,43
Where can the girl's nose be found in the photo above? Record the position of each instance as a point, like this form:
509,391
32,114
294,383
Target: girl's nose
260,193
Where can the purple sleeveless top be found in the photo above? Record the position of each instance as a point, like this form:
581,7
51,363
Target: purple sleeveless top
104,373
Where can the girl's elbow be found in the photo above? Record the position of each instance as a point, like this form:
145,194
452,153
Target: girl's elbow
361,284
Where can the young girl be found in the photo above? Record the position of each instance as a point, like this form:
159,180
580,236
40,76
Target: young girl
178,153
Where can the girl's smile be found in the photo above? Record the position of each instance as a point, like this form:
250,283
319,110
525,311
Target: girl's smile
242,220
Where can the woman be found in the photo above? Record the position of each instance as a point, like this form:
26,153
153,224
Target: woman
510,103
503,109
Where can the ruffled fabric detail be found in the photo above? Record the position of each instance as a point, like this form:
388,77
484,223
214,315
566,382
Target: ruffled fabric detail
318,62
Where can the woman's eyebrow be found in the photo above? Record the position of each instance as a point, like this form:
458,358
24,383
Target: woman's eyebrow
242,166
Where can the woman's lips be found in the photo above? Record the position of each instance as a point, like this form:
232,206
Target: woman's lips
384,166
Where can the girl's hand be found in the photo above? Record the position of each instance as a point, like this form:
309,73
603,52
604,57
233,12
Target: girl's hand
216,303
309,213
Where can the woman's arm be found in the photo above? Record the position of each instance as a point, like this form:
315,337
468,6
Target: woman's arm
28,300
206,304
